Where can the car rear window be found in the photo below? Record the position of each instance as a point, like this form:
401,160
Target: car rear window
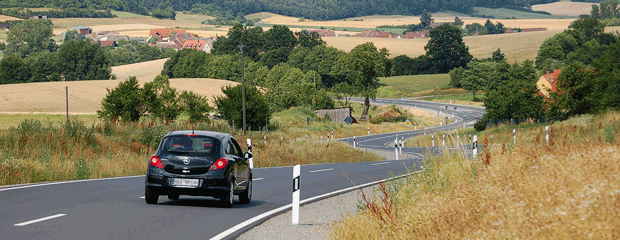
190,145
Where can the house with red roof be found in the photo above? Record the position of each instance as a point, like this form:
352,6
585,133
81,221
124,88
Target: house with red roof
166,32
548,83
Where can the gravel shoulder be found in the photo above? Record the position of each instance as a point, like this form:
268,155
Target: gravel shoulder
315,218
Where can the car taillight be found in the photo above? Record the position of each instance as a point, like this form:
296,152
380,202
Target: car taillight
155,162
219,164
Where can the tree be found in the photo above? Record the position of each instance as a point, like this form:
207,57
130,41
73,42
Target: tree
553,51
426,19
458,22
13,70
362,66
252,40
456,77
81,60
515,100
30,36
43,67
446,48
308,39
574,94
344,92
498,56
229,106
195,106
279,37
595,11
588,26
123,102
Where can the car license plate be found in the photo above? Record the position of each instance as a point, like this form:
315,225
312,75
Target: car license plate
184,182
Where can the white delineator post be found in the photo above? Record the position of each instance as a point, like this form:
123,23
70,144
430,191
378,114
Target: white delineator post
396,148
475,147
547,134
443,141
296,183
353,141
332,134
368,130
514,136
433,138
251,159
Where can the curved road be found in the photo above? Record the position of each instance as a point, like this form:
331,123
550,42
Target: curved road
114,208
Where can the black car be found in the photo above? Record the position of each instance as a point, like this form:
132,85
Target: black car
199,163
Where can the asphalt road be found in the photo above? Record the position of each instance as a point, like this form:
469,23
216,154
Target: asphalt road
115,208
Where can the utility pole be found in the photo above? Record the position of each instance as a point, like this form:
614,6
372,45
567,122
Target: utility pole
242,85
67,101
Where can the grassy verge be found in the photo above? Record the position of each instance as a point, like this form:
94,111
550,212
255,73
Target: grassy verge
411,86
567,189
40,148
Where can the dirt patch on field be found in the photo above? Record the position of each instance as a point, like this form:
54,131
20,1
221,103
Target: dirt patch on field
84,96
565,8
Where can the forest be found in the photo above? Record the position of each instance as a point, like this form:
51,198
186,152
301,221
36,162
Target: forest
318,10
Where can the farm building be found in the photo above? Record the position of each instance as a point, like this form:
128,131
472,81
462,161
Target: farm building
105,43
416,34
547,83
83,31
164,33
533,29
202,45
323,32
374,34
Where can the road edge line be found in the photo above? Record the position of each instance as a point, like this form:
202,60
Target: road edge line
252,222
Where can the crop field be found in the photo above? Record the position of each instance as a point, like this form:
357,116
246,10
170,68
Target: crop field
565,8
408,85
7,18
505,13
85,96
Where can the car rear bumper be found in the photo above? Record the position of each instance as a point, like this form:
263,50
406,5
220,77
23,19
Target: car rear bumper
208,186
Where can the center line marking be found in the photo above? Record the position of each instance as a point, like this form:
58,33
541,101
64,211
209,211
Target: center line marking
322,170
379,163
39,220
256,179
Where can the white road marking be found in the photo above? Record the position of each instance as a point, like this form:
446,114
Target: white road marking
141,197
256,179
250,221
74,181
39,220
381,163
322,170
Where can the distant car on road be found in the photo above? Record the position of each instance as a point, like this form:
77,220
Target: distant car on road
199,163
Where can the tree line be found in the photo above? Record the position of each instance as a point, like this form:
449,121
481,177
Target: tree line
71,12
320,10
589,60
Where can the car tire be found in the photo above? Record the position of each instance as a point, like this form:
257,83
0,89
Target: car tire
173,196
150,196
228,197
246,196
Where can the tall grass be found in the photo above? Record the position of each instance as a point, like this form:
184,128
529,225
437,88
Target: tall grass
569,189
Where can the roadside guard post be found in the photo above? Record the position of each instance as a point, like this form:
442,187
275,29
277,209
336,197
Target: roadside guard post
396,148
514,136
296,183
251,159
433,139
353,141
547,134
475,147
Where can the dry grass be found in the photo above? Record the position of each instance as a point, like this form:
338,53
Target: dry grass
85,96
569,189
565,8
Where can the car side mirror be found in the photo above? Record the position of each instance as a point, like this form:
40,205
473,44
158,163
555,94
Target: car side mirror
247,155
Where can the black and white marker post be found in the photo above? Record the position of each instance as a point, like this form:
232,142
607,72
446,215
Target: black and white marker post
296,183
433,140
547,134
251,159
514,136
354,142
396,148
475,147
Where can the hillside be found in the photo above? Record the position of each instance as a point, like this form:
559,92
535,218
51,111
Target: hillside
565,8
309,9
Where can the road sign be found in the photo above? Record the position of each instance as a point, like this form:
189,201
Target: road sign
348,120
408,123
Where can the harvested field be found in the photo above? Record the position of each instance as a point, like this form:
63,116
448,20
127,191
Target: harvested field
84,96
7,18
144,71
565,8
517,46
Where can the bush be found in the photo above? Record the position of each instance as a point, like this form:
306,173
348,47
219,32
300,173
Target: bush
230,106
